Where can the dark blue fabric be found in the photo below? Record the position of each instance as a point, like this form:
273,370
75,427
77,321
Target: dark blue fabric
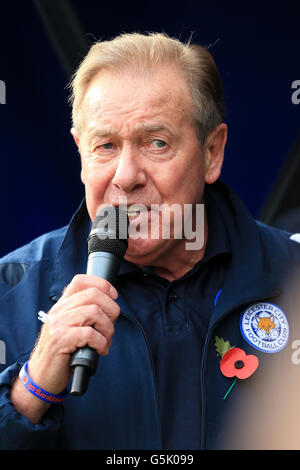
175,316
145,391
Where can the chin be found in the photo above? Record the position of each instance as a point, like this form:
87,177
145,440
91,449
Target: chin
143,251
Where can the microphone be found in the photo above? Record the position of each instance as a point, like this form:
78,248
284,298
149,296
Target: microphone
107,244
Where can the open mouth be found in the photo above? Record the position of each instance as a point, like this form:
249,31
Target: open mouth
134,211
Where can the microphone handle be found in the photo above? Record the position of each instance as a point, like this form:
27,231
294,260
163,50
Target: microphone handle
84,360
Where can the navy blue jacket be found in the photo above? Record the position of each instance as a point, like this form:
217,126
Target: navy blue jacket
120,409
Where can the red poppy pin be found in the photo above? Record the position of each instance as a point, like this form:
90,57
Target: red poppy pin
235,362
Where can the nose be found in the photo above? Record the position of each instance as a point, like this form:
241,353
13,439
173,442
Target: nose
129,174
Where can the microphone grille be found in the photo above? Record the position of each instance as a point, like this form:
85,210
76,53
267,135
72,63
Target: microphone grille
109,232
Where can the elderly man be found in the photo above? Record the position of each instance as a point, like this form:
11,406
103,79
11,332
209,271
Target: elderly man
148,123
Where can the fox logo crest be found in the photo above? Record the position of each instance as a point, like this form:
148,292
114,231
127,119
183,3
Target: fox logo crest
265,323
265,327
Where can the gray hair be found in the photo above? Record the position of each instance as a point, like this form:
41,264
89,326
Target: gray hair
149,51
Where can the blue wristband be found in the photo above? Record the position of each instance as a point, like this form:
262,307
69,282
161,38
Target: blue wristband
38,391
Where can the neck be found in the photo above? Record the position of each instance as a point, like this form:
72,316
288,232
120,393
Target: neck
176,261
179,267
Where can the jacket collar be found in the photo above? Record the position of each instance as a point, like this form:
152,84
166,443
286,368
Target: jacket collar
71,258
253,273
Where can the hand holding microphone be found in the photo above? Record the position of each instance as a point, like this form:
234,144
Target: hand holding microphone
107,244
84,316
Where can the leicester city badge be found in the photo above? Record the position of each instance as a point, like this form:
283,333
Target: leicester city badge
265,327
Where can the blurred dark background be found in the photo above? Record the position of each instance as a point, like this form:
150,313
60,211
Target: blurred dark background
256,46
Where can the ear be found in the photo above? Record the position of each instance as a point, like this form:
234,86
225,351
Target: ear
214,148
77,142
75,136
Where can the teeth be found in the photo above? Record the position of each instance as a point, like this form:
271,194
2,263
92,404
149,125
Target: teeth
135,208
133,215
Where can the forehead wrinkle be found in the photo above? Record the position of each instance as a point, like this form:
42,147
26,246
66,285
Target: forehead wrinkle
139,127
133,121
105,109
104,132
111,132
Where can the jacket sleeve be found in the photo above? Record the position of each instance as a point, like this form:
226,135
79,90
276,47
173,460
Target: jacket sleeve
16,431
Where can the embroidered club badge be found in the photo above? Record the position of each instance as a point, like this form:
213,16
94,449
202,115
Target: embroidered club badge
265,327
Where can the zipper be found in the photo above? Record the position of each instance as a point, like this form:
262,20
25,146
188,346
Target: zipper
205,349
152,367
55,299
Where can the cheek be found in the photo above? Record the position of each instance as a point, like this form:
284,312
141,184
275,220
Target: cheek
96,181
183,183
95,174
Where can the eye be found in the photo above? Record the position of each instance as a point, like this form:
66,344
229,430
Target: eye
104,148
156,147
107,146
158,143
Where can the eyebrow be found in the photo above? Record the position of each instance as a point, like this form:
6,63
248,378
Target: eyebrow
141,126
104,133
155,128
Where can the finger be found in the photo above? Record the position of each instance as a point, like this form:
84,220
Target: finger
90,296
81,336
84,281
90,315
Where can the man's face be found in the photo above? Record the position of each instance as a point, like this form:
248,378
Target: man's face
139,142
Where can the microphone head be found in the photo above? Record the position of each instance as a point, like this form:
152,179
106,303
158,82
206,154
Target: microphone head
109,232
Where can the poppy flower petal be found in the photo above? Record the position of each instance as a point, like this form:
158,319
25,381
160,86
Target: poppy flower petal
250,365
227,364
